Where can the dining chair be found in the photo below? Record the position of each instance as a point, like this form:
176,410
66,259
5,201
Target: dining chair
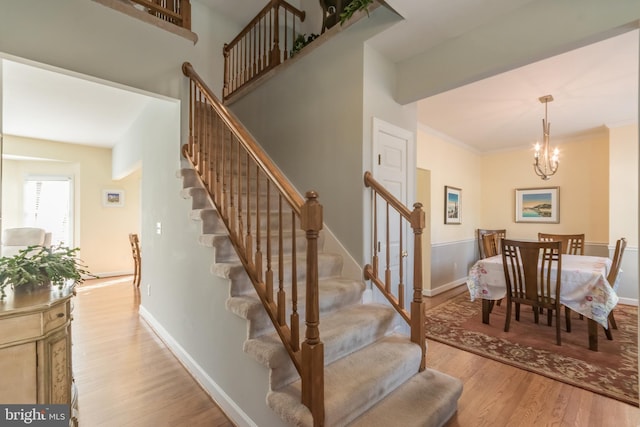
621,245
491,244
481,232
527,270
572,244
137,259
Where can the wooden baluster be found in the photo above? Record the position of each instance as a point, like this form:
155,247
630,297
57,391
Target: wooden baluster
417,305
232,191
312,349
258,255
248,246
240,231
387,271
192,86
224,172
275,46
269,274
281,293
376,244
295,317
401,267
285,54
225,85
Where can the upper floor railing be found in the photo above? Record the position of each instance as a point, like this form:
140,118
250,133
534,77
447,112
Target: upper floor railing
268,224
177,12
264,43
390,221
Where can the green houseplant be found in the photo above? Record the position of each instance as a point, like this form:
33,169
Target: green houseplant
37,266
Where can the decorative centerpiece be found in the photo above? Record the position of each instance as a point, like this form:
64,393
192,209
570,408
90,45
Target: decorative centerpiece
37,267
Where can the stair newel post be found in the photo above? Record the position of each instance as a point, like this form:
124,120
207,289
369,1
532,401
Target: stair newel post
275,48
417,305
185,14
192,88
312,348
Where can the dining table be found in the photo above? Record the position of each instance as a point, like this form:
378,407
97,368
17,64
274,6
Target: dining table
584,288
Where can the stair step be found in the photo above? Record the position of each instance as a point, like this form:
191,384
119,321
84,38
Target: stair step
329,265
226,253
343,332
354,383
428,399
335,293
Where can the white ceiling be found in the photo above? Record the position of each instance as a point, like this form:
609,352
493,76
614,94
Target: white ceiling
593,86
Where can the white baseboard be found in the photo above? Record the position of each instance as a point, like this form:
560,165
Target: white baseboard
628,301
228,406
443,288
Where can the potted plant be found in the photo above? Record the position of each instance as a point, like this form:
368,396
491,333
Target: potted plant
37,267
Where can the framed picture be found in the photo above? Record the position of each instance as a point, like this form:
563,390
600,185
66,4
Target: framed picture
538,205
452,205
113,198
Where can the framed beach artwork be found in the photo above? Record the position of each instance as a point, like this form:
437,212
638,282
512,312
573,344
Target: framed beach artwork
538,205
452,205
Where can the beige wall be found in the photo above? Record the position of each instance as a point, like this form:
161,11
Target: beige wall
623,186
100,232
455,166
583,179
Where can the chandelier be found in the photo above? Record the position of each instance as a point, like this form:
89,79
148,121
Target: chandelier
546,163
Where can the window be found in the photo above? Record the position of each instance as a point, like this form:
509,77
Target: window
48,204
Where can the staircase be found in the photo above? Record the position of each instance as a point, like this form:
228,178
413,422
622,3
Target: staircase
371,374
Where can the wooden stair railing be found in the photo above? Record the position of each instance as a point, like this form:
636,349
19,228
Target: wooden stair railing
262,213
259,48
177,12
416,220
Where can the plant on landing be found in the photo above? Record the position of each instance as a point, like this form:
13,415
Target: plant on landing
37,266
301,41
352,8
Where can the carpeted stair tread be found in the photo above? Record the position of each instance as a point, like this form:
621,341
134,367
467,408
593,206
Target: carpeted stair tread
355,383
335,293
428,399
343,332
329,265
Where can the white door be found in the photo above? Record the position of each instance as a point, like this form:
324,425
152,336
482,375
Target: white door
392,148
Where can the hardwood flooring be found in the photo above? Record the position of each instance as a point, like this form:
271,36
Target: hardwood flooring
124,374
127,377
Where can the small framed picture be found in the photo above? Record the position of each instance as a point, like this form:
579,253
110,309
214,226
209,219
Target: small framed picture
538,205
452,205
113,198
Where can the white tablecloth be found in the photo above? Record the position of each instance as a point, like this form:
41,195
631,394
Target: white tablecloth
584,288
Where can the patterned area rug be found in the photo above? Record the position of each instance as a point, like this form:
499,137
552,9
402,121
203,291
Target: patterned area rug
611,371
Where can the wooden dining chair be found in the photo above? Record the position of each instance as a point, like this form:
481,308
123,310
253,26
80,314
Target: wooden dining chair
527,272
137,259
481,232
572,244
491,244
621,245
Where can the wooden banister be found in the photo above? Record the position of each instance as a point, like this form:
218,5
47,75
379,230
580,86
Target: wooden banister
416,220
259,47
261,211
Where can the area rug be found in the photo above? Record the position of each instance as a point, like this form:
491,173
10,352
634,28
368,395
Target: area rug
612,371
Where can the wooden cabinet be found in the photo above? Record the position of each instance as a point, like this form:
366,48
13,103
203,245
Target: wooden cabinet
35,348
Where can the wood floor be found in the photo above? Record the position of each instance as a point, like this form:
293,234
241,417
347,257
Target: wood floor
127,377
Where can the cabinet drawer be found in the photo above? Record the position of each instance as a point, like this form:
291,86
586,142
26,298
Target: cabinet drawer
55,317
18,328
